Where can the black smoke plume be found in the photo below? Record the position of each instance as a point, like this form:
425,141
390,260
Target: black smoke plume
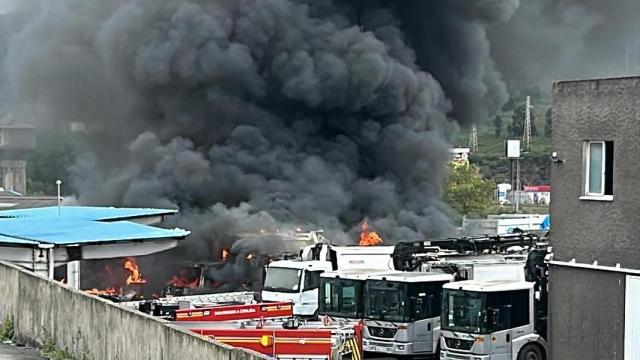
275,114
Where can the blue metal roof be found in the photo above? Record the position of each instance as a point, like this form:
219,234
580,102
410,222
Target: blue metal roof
15,241
87,212
81,225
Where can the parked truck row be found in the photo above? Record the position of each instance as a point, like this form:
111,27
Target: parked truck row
407,300
481,298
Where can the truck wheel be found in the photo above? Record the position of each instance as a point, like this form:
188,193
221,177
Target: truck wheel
531,352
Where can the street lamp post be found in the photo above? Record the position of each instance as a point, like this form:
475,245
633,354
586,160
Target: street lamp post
58,183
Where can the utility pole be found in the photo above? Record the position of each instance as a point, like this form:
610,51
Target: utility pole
473,139
513,154
517,192
526,135
58,183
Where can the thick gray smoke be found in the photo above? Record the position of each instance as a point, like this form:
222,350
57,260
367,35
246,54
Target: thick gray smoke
550,40
275,114
254,109
451,40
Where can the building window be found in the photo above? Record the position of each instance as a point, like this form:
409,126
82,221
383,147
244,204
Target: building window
598,170
2,137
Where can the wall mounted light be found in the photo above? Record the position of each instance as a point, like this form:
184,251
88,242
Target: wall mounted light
555,158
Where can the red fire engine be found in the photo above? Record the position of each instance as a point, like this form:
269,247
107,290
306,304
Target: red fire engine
260,327
236,312
275,342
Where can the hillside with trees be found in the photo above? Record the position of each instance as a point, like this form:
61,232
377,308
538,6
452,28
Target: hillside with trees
508,124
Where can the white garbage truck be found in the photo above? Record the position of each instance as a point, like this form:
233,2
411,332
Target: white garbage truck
298,280
478,258
497,320
402,312
341,295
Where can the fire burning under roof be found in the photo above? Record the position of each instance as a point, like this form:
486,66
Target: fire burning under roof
81,225
83,233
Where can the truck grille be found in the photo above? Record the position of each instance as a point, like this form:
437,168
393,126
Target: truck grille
382,332
458,344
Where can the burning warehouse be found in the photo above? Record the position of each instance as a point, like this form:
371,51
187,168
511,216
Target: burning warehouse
240,265
43,238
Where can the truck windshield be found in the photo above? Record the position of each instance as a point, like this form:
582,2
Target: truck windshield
402,301
341,298
282,279
464,311
385,300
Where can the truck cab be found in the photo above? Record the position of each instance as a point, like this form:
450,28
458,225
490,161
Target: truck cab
341,296
298,280
295,281
402,311
490,320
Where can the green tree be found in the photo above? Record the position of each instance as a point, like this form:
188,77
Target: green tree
547,123
468,192
517,122
497,123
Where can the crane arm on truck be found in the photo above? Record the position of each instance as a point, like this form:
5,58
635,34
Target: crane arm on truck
479,244
409,256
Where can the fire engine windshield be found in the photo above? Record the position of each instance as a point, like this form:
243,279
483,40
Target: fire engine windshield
341,298
464,311
282,279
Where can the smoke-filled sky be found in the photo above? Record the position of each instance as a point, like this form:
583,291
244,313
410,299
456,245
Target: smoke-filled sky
256,114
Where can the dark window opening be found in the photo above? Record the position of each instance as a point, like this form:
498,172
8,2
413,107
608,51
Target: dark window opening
608,170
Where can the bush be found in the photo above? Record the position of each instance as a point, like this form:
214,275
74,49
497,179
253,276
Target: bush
51,352
6,331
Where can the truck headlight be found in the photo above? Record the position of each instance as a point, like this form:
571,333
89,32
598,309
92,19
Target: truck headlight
400,347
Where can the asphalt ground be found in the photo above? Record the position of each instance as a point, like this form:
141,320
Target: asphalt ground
12,352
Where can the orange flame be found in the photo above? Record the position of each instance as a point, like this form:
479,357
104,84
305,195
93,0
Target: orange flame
225,254
368,237
110,291
135,277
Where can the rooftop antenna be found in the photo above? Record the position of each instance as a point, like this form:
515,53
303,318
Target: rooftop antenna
526,135
473,139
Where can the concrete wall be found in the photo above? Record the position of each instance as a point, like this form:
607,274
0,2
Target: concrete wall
586,314
96,328
587,230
